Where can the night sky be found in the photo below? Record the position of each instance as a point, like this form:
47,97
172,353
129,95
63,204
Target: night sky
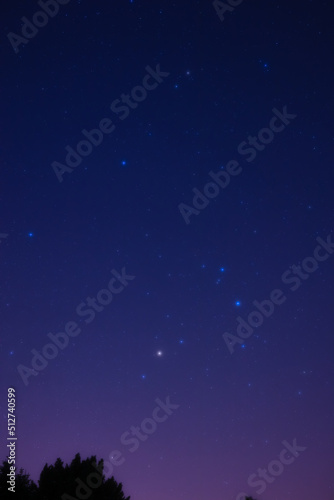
167,234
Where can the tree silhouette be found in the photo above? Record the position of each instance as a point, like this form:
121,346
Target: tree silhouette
80,479
25,488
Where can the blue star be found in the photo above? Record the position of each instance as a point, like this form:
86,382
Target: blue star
143,376
123,163
265,65
222,269
181,341
30,235
238,303
243,346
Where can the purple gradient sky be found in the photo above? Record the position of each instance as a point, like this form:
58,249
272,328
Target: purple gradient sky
119,208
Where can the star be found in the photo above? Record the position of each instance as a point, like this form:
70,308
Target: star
30,235
237,303
159,354
265,65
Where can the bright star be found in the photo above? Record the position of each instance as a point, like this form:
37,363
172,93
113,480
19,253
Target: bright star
30,235
238,303
159,354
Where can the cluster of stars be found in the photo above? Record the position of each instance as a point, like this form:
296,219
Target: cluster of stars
219,280
176,85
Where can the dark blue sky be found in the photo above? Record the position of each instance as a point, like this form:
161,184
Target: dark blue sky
119,253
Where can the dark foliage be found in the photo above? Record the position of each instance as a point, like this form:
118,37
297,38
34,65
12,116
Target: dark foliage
79,479
25,489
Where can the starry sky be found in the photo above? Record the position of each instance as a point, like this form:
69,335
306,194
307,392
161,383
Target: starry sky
167,172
